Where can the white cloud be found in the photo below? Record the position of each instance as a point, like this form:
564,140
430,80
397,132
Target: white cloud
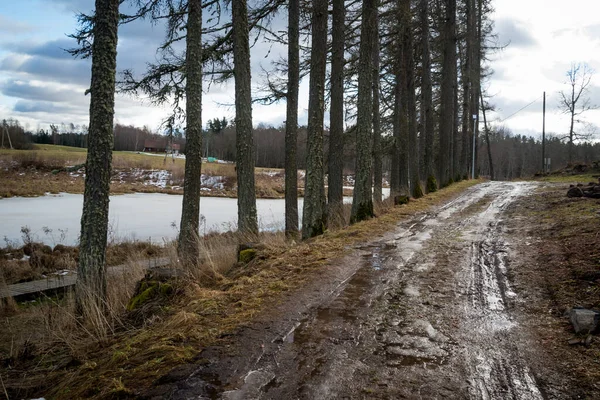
562,34
10,26
546,36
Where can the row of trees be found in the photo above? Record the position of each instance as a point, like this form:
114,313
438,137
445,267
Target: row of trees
404,80
410,68
514,156
517,156
377,71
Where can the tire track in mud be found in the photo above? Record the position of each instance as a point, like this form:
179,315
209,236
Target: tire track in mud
496,370
426,314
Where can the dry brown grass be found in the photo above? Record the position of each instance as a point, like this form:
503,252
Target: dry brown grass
34,169
49,331
8,305
559,269
44,260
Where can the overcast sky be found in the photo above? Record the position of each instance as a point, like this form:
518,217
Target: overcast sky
41,84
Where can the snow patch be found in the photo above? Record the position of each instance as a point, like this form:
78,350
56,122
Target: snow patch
210,182
270,173
159,178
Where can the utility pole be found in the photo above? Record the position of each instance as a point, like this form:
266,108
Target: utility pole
473,161
544,136
8,136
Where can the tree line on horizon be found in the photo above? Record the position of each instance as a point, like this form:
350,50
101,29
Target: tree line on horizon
514,156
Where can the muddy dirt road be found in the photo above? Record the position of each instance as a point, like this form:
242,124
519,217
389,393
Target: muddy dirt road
427,311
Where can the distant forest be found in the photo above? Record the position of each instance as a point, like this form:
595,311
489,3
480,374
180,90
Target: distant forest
514,156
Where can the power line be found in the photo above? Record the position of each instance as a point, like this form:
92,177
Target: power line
521,109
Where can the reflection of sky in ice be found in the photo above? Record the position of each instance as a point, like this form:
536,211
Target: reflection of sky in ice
141,216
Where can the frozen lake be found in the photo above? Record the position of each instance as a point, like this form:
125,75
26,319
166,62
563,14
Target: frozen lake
56,219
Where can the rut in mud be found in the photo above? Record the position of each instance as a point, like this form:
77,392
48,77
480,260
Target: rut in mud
425,312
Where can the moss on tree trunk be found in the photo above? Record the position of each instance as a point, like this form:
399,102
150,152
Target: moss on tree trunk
190,211
313,218
245,160
335,179
91,274
362,203
291,127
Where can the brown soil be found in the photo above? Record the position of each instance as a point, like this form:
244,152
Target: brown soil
558,254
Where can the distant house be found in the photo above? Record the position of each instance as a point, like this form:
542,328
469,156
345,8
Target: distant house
160,146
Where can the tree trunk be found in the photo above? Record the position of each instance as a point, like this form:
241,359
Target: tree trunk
335,190
466,110
572,126
476,72
570,145
291,127
190,211
313,216
377,161
90,289
456,139
411,105
426,93
447,92
471,72
362,203
402,78
487,138
397,135
245,160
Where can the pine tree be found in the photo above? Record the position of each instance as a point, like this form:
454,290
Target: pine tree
190,212
362,203
335,181
313,218
247,218
291,127
90,289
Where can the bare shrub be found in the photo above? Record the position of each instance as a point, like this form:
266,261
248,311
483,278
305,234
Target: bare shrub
131,163
38,160
384,206
177,171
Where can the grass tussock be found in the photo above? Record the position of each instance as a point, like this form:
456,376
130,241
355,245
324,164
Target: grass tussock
573,179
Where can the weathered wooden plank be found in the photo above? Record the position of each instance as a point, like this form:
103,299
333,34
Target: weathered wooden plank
64,281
